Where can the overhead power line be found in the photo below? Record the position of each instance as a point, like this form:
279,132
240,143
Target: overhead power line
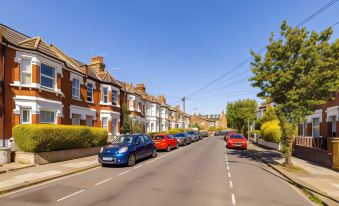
303,22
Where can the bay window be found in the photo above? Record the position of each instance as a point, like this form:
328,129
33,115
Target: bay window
89,92
75,88
25,116
26,71
105,94
47,76
47,117
114,97
104,121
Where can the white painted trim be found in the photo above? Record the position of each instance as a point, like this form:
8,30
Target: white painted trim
317,114
36,86
91,82
83,111
332,111
78,77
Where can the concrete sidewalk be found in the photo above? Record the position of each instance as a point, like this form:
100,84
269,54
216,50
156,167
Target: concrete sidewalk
315,177
17,179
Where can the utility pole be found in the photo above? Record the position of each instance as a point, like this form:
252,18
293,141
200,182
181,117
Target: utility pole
184,104
248,128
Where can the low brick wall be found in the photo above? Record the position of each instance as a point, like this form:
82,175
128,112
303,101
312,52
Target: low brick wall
270,145
55,156
313,155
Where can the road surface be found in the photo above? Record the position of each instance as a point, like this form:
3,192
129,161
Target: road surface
201,174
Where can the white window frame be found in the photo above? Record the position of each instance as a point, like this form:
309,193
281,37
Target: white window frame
21,116
115,102
54,116
76,119
92,91
73,95
102,123
26,72
103,95
46,76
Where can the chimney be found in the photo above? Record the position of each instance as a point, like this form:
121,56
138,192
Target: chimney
97,64
141,88
177,107
162,99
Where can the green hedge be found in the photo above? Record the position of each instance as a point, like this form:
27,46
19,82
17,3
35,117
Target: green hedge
251,133
48,137
271,131
175,131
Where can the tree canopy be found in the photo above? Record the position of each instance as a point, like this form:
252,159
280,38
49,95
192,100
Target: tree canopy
239,112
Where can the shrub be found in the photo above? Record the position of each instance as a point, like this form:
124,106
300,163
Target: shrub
153,133
271,131
175,131
45,137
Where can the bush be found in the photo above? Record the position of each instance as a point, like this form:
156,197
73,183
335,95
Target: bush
175,131
153,133
271,131
45,137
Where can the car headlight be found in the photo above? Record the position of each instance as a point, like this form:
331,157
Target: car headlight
102,149
123,149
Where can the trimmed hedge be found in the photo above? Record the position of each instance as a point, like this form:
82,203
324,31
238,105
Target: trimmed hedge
271,131
49,137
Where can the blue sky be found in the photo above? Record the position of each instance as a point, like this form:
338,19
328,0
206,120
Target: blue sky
174,47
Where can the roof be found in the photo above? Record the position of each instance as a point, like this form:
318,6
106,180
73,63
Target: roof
12,35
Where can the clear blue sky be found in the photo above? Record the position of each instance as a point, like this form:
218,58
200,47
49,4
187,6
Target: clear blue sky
172,46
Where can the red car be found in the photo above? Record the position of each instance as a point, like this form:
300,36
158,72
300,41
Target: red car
165,142
228,134
236,141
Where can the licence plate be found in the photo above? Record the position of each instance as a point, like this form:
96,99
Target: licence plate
238,145
107,158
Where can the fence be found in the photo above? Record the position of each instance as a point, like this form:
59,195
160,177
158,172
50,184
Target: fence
314,142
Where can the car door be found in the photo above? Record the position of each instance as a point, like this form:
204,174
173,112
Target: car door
173,142
140,147
149,145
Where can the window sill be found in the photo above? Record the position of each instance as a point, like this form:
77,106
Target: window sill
76,98
38,87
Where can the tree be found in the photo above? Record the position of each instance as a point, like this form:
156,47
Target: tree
127,122
239,112
299,72
269,115
196,125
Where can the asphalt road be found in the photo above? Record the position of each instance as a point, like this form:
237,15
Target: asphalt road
201,174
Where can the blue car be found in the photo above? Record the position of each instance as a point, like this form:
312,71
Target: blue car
127,149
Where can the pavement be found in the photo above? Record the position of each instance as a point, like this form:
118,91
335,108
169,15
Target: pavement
203,173
322,181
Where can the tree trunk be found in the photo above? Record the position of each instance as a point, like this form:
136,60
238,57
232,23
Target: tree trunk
288,129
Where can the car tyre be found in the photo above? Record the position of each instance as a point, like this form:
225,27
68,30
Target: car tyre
131,160
154,153
168,148
177,145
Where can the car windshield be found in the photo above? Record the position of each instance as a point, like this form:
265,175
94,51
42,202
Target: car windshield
237,136
180,135
158,137
124,139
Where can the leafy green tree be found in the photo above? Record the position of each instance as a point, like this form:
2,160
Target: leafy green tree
239,112
299,72
269,115
196,125
127,122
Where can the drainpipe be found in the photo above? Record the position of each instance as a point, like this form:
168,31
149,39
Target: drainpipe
3,47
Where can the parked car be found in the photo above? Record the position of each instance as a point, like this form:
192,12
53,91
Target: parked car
236,141
204,133
165,142
127,149
194,135
183,138
200,135
228,133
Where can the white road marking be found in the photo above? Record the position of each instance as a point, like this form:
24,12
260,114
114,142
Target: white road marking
231,184
138,166
228,168
70,195
229,175
233,199
123,172
102,181
149,161
227,162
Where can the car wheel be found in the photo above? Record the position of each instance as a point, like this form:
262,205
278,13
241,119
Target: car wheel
177,146
168,148
131,160
103,165
154,153
185,143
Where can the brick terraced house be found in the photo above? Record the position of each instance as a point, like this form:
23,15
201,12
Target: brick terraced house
42,84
